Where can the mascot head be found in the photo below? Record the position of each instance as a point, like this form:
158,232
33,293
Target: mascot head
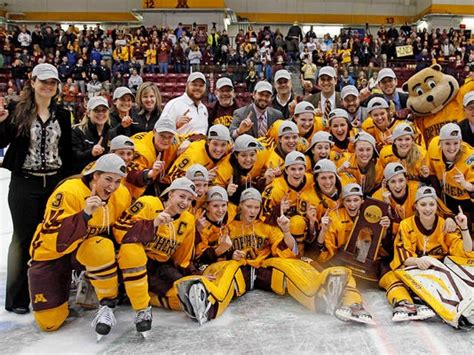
430,90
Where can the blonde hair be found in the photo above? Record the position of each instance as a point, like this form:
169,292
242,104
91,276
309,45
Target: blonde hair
82,125
142,90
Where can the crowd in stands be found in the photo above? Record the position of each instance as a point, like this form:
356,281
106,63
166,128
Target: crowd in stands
94,61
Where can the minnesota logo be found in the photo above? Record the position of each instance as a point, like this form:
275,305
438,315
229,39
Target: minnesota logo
39,297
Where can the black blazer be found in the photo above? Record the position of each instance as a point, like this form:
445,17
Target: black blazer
467,135
16,153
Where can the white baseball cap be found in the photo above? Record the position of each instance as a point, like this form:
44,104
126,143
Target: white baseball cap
320,137
282,74
385,73
349,90
220,133
366,137
45,71
393,169
295,157
97,101
402,129
217,193
325,166
425,191
375,103
251,194
182,183
468,98
224,82
287,127
164,124
450,131
108,163
304,107
197,172
122,91
327,70
196,75
352,189
121,142
245,143
263,86
338,112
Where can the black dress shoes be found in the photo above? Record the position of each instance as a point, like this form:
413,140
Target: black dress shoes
18,310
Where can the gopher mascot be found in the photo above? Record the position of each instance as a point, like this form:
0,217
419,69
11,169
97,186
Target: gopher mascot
435,99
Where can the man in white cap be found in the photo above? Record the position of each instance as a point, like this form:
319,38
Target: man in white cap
187,111
283,99
351,103
328,99
387,83
223,110
467,125
256,118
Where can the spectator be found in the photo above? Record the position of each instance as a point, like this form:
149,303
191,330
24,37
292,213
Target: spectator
194,58
221,112
134,81
328,98
188,111
122,113
90,138
283,97
94,86
149,103
467,125
150,60
163,57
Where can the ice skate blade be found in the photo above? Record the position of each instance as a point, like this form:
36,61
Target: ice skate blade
145,334
99,337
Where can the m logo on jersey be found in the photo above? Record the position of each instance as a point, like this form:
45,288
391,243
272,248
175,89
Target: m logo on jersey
39,297
470,160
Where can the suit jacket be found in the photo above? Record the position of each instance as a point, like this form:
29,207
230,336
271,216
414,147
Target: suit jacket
242,113
467,135
402,95
316,98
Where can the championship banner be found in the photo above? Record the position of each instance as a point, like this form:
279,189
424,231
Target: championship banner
361,251
442,289
404,51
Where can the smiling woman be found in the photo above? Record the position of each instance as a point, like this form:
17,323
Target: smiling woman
39,135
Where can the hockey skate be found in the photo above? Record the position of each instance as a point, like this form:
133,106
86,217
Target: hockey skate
193,298
143,321
85,294
198,299
104,319
404,311
355,313
330,294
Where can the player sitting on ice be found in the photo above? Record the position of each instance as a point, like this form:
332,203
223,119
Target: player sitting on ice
420,244
263,257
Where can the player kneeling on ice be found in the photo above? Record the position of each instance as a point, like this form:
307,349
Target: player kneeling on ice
157,245
263,257
420,244
77,225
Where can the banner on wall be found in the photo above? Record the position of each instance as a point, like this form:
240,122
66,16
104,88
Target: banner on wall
182,4
404,51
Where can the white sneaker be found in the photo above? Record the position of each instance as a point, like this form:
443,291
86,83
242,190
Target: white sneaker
104,321
197,296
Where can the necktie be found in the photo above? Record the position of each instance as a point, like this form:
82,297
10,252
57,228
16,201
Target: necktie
393,109
262,126
327,110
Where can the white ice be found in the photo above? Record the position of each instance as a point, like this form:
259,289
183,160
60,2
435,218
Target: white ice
259,322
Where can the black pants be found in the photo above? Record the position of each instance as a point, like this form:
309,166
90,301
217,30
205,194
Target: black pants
27,199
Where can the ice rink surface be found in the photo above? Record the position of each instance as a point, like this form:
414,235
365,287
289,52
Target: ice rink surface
257,323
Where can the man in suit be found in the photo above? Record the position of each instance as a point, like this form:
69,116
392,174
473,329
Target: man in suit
387,83
328,99
255,119
467,125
